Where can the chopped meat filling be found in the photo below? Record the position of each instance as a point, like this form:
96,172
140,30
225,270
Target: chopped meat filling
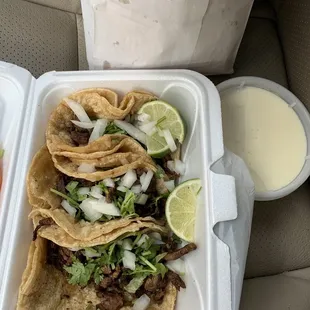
44,222
175,279
110,301
176,254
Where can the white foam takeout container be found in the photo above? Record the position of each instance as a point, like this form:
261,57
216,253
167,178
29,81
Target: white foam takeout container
25,105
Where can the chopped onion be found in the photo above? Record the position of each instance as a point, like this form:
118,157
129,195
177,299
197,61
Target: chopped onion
91,253
131,130
127,244
155,235
129,178
178,266
136,189
108,182
90,212
104,207
129,260
83,191
148,128
147,180
74,249
142,199
169,139
141,303
179,167
86,168
85,125
170,185
143,117
78,110
142,240
66,205
98,130
96,192
122,189
170,165
142,177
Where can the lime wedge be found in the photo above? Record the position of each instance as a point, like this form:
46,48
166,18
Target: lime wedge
181,209
169,118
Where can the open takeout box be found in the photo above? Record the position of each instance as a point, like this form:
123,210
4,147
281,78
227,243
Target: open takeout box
25,106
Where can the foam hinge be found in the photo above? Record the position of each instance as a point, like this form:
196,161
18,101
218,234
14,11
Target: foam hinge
224,200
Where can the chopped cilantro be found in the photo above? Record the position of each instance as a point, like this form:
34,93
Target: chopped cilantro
113,129
1,153
80,274
70,200
128,205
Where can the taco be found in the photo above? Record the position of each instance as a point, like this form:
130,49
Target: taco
85,210
70,125
128,272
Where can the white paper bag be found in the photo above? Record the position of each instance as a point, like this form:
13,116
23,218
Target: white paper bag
203,35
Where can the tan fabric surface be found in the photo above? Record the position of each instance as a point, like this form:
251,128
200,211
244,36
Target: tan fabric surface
73,6
289,291
83,65
260,52
280,238
37,38
294,28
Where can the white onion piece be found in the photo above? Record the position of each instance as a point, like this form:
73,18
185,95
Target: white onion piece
178,266
129,260
78,110
142,177
131,130
170,185
122,189
98,130
66,205
179,167
155,235
104,207
147,180
74,249
86,168
148,128
141,303
143,117
85,125
83,191
142,240
136,189
157,238
96,192
170,165
90,212
127,244
169,139
142,199
108,182
129,178
89,253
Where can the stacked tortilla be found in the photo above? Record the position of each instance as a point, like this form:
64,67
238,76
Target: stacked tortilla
44,286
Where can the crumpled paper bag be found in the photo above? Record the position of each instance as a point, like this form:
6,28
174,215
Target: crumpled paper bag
236,233
203,35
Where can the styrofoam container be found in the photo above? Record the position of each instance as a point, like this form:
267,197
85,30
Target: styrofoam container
208,276
299,109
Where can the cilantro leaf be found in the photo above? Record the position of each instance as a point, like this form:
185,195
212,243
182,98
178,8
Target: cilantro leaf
98,275
113,129
135,283
80,274
128,205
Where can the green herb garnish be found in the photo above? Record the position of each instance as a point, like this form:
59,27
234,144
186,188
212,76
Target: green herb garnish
70,200
113,129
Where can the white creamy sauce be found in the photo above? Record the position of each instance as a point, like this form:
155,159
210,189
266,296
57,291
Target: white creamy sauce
262,129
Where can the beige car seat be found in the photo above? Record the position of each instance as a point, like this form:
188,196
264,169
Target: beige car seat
44,35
